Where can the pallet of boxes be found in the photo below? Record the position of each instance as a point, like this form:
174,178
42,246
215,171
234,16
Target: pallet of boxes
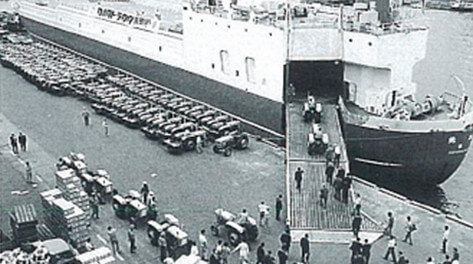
67,209
23,222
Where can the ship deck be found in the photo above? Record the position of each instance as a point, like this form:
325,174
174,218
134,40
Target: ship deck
306,211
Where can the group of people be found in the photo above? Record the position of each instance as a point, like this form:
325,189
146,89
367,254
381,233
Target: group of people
342,182
409,228
86,118
21,141
112,236
14,142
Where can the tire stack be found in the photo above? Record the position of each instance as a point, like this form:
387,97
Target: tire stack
23,221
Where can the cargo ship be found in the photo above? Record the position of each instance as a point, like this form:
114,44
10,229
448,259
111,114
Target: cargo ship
251,58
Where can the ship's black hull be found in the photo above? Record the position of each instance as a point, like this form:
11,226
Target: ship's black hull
402,157
254,108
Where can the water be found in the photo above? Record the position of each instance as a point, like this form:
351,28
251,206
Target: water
449,51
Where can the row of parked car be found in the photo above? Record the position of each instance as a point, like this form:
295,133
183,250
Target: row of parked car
160,114
177,121
49,68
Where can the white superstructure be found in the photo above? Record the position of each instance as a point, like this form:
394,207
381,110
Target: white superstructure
246,45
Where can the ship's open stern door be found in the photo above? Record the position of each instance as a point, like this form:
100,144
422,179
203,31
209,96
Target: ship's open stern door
320,78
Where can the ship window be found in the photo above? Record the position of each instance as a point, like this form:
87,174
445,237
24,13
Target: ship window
212,65
228,26
103,31
224,61
246,30
216,23
201,20
350,40
369,43
237,73
129,39
190,18
270,34
160,48
185,7
80,25
250,69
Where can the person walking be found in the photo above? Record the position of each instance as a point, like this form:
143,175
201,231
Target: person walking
357,201
131,238
298,178
356,220
355,248
337,185
105,126
144,192
225,253
14,143
329,155
244,251
366,251
260,253
112,235
286,240
410,227
203,245
305,248
198,144
282,256
163,247
94,206
86,117
278,207
88,245
22,141
446,234
391,249
337,153
329,170
29,173
388,230
323,196
218,248
263,210
346,184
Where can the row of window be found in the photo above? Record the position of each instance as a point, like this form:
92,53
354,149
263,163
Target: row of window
250,66
228,26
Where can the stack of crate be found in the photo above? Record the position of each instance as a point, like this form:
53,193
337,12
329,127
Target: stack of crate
23,221
69,222
47,198
70,185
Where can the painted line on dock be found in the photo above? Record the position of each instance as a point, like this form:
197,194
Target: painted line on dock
262,128
102,239
39,177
